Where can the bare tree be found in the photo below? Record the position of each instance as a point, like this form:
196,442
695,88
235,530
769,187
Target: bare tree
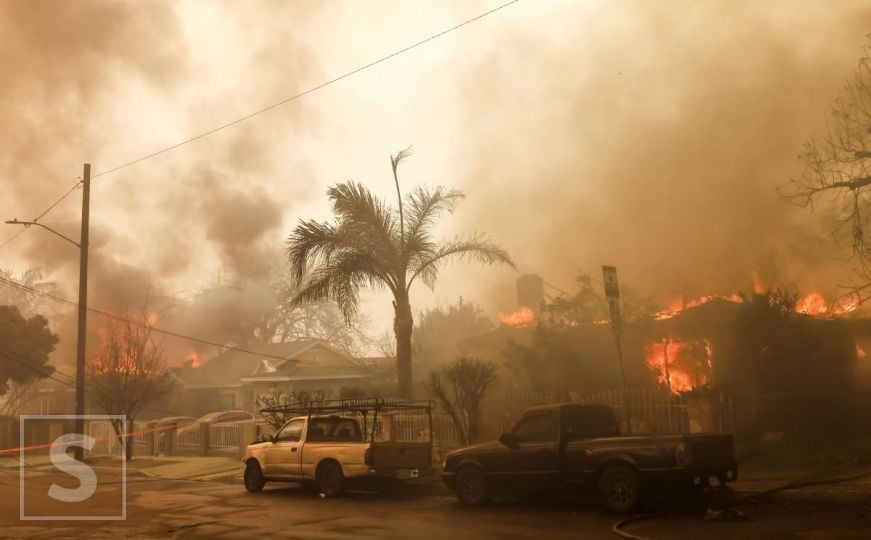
128,372
279,398
837,172
460,388
18,395
27,301
263,312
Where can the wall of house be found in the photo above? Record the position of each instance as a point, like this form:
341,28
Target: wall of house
50,401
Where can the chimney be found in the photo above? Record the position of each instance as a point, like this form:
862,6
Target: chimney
530,291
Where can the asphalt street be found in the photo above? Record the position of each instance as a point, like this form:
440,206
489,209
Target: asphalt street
161,508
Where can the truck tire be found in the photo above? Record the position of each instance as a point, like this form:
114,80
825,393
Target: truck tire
472,489
620,489
330,482
254,480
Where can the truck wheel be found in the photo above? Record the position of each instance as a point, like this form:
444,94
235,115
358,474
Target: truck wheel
254,479
620,489
472,487
330,481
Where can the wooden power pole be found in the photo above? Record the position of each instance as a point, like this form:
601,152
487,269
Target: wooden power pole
83,310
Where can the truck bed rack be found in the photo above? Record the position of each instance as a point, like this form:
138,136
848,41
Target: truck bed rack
360,405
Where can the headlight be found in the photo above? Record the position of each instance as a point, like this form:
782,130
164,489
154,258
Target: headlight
683,455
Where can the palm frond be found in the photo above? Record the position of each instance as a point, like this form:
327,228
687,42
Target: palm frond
356,206
477,248
340,279
425,205
403,154
312,242
367,218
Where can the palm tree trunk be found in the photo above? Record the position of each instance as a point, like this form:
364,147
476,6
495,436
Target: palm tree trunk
403,323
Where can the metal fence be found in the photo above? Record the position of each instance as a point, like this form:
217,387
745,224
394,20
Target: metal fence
650,411
141,435
188,438
224,436
106,443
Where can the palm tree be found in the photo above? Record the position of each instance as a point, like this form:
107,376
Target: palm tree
370,244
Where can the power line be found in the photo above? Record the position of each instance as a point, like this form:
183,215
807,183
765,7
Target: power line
43,213
51,375
55,203
13,237
138,324
268,108
306,92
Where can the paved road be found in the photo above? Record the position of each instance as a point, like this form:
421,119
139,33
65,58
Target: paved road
160,508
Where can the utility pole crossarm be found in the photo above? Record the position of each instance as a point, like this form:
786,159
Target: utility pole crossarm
49,229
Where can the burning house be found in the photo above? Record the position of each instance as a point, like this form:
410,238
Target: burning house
765,360
235,378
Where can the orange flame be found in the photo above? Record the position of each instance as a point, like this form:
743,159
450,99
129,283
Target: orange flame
758,286
679,304
679,365
860,352
812,304
120,347
522,316
815,304
195,358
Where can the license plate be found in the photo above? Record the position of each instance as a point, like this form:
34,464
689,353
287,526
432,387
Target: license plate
407,473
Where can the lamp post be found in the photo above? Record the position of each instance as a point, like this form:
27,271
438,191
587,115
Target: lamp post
82,244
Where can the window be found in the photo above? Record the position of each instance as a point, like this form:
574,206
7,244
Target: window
537,427
586,422
46,404
228,400
334,429
291,431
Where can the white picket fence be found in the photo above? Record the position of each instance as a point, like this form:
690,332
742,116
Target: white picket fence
188,438
224,436
106,440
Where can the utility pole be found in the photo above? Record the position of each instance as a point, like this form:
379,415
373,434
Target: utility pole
83,309
82,244
612,295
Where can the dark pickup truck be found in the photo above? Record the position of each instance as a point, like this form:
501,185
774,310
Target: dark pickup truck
580,446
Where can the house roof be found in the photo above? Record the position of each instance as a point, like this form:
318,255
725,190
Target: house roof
271,361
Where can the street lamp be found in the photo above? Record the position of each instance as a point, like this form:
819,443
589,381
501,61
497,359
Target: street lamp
83,300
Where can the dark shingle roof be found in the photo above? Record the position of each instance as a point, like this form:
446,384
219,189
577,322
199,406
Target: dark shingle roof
229,367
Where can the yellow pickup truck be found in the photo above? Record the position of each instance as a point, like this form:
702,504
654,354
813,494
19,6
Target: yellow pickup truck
336,443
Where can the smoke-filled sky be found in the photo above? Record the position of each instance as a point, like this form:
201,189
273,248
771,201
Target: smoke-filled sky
648,135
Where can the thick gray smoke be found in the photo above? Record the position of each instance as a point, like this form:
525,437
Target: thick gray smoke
656,143
650,136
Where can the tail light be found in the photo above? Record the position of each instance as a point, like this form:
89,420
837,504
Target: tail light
367,457
683,455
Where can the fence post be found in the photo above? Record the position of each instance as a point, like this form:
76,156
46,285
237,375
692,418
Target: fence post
150,438
168,441
204,438
247,434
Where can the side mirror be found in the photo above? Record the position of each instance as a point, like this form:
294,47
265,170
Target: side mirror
267,438
508,440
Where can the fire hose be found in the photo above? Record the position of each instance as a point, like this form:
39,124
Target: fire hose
617,528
